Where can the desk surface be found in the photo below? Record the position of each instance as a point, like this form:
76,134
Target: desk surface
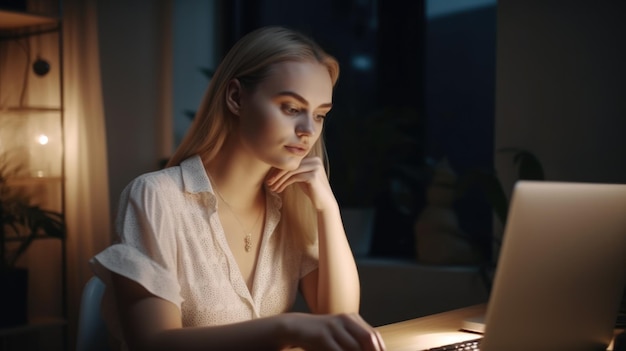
430,331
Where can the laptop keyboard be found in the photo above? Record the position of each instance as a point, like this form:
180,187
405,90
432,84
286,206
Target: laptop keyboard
474,345
470,345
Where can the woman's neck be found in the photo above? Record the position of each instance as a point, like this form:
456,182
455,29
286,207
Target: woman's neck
238,177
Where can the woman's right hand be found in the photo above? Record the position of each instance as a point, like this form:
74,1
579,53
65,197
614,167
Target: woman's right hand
341,332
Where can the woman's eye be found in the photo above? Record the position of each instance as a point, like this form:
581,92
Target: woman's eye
291,110
320,117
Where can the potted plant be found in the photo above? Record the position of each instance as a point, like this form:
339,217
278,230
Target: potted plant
447,190
528,167
21,222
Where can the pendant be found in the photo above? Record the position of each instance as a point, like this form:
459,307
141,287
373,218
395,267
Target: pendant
248,241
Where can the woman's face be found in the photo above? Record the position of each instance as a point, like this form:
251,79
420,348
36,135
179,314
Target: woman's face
282,117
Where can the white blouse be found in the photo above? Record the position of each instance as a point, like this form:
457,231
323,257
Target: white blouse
171,242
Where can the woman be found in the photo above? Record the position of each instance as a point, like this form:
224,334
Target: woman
214,247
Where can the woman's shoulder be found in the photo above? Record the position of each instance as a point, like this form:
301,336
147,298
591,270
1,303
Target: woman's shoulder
165,175
162,180
189,176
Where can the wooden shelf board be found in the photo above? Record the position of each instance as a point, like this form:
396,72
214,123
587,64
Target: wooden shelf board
14,20
34,324
17,181
30,109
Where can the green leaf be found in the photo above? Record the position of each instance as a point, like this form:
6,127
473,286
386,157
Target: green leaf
493,190
529,167
207,72
190,114
19,219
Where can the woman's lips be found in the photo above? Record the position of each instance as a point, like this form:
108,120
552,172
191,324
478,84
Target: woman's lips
297,150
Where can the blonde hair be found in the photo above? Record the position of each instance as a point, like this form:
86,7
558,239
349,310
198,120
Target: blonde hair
250,61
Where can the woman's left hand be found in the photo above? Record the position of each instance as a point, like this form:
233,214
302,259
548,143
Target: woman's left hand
311,176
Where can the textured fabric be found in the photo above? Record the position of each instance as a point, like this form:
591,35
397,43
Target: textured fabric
172,243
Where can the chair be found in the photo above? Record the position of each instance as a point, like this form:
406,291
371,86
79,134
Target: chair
92,331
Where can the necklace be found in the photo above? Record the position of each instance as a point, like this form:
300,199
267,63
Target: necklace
247,239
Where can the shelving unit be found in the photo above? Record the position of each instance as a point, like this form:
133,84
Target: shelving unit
31,132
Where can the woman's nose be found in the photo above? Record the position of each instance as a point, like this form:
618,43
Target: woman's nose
305,126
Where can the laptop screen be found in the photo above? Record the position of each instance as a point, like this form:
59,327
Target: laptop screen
561,270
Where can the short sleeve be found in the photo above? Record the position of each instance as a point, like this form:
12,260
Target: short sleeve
146,251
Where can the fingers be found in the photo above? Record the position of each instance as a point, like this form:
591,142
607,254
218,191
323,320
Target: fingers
380,343
366,336
347,332
288,179
279,179
343,332
344,339
273,175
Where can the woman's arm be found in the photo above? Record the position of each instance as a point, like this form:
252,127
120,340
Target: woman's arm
334,287
150,323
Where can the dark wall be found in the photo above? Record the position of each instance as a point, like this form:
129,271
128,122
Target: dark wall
560,87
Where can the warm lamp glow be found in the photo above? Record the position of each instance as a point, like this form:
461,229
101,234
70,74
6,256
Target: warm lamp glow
42,139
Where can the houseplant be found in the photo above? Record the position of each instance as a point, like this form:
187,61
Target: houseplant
21,222
366,150
528,167
485,181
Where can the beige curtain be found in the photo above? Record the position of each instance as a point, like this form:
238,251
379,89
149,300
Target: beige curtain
86,185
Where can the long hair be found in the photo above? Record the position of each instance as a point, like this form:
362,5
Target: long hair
250,61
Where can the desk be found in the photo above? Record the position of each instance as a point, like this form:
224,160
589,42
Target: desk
431,331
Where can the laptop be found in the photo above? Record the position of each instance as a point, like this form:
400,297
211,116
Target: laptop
561,271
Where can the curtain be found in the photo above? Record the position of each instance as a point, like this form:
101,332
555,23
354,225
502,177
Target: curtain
86,184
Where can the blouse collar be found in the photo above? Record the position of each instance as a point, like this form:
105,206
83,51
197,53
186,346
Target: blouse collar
196,180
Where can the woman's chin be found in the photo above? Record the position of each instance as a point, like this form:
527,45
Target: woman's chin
289,165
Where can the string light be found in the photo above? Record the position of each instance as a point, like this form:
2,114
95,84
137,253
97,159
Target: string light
42,139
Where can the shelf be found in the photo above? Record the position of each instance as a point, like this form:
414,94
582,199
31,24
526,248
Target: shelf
33,325
15,25
15,20
30,109
22,181
32,135
24,237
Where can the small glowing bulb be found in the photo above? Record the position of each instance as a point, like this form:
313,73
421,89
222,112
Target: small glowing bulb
42,139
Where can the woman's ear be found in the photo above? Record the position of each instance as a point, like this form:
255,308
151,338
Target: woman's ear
233,96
